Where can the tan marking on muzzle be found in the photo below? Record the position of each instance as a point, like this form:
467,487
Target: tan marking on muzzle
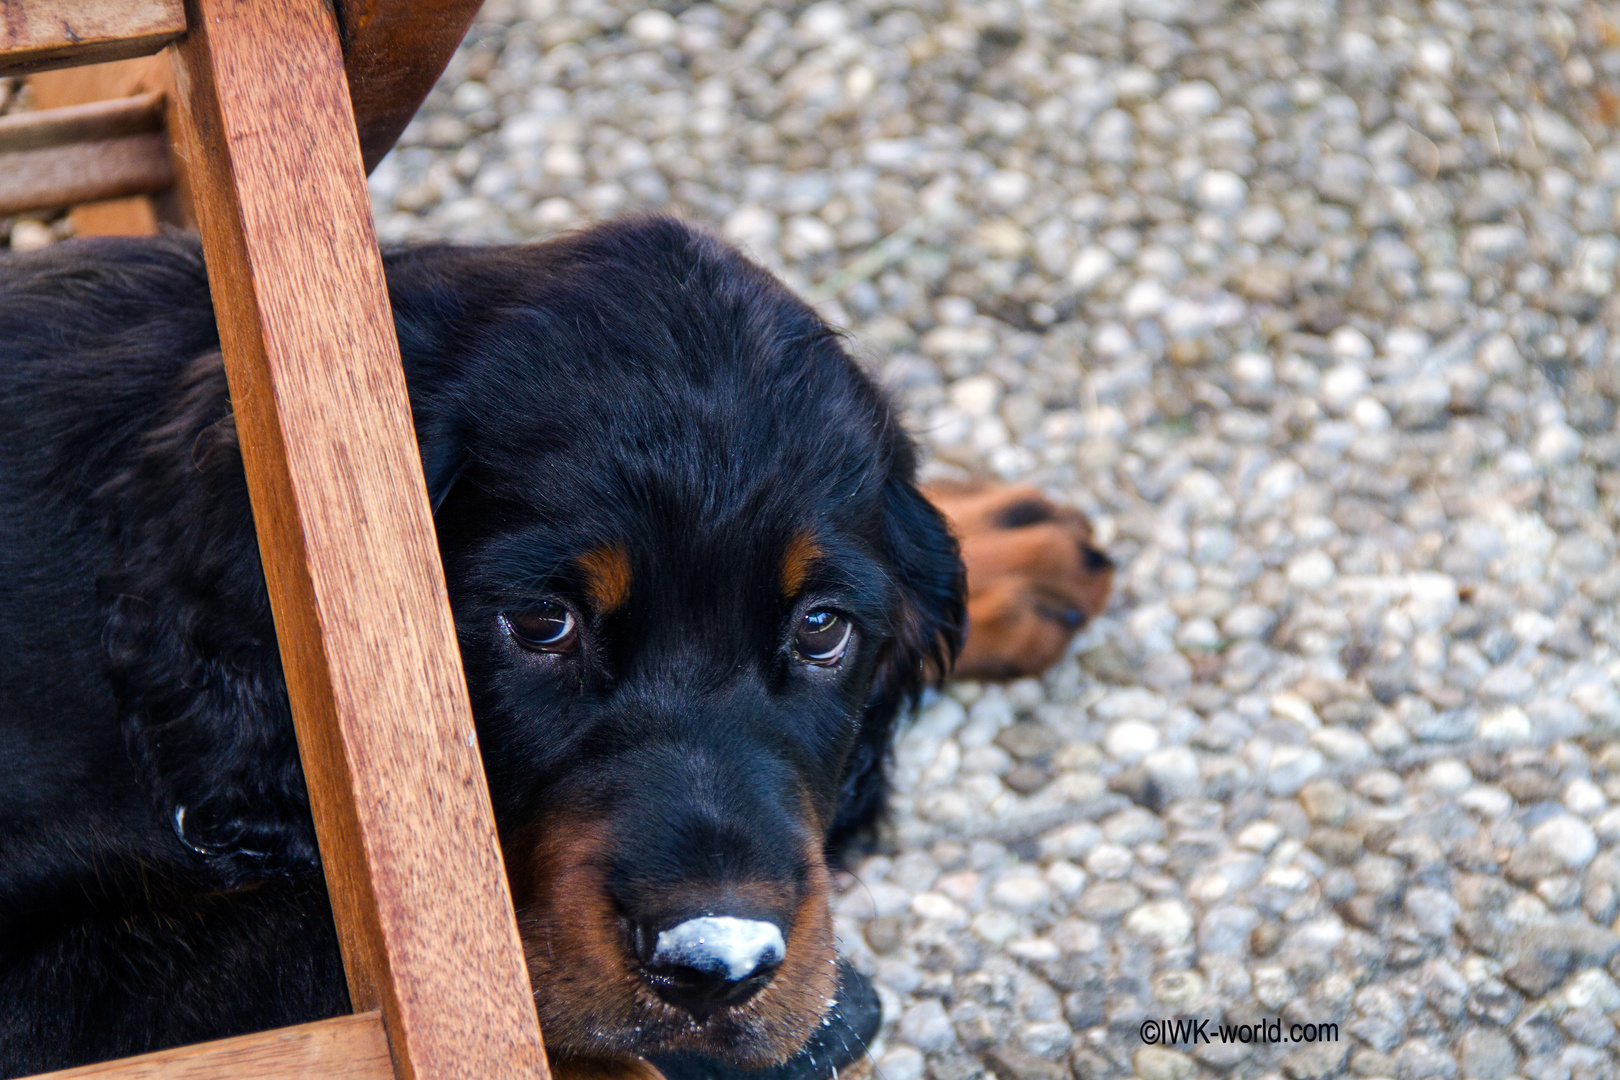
592,1000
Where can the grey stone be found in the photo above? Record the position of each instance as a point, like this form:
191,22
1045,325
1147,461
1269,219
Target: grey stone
1017,1064
1343,178
1325,802
1538,970
1536,1032
1420,1059
1588,1026
1315,1060
1027,740
1434,911
1486,1054
1107,901
926,1026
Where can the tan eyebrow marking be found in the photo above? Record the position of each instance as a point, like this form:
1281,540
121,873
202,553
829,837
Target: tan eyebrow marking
607,576
801,552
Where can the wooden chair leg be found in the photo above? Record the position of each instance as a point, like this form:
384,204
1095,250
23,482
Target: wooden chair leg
379,699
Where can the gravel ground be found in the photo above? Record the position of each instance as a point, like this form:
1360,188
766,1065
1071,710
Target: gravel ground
1309,307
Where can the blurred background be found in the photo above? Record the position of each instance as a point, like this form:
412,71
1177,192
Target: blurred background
1310,308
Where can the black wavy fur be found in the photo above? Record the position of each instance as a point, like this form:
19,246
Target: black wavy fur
159,879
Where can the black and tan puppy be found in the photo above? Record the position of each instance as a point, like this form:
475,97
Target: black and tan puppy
694,586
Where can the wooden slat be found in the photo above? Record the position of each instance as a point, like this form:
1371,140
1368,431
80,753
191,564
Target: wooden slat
344,1048
81,123
39,34
379,699
83,172
394,51
140,214
135,215
83,154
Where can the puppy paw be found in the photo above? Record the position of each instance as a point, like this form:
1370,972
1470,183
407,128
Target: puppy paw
1033,576
624,1068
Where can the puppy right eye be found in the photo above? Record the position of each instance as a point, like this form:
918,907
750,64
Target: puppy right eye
822,638
547,628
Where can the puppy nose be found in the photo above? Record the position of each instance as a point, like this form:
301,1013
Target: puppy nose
713,962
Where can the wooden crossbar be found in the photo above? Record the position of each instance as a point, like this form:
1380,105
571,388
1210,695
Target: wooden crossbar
343,1048
83,153
84,172
120,118
37,35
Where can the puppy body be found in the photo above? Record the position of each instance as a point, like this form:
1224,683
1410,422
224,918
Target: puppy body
632,437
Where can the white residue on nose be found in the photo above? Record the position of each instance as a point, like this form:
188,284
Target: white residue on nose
739,947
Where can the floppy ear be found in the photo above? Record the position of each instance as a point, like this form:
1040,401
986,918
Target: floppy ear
444,458
930,625
430,321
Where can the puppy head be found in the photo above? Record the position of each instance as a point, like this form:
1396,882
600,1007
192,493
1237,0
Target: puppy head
694,583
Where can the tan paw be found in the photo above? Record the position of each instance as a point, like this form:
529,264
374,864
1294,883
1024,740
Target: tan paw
624,1068
1033,577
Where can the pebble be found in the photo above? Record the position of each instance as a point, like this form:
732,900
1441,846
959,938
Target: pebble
1107,900
27,235
1291,767
1048,1039
1272,986
1486,1054
925,1026
1225,929
1021,892
1131,740
1585,798
907,1063
1306,306
1311,571
1109,861
1567,839
1325,802
1175,770
1165,922
1163,1063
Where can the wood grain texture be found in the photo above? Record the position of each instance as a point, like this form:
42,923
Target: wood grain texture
144,75
83,172
408,842
343,1048
40,34
394,51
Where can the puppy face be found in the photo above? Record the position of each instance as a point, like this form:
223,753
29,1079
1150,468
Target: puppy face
693,584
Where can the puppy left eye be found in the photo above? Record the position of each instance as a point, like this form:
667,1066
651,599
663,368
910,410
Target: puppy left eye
822,637
548,628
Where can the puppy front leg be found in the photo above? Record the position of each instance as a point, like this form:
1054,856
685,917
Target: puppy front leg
623,1068
1034,578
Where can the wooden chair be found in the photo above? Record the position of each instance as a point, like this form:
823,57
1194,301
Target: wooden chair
277,109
